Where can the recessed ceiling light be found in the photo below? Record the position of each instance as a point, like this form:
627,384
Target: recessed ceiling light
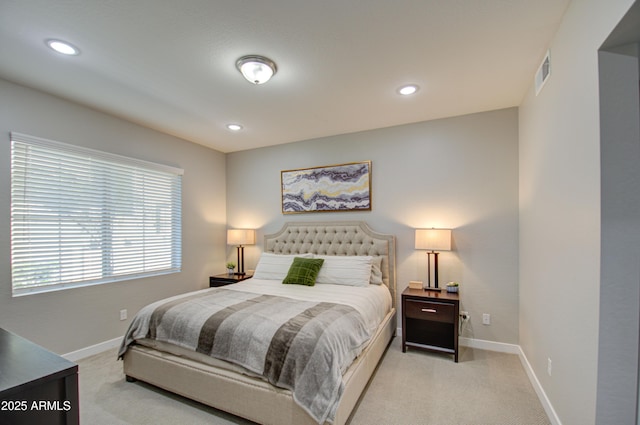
63,47
234,127
408,89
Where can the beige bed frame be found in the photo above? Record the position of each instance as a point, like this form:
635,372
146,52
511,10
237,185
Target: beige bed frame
253,398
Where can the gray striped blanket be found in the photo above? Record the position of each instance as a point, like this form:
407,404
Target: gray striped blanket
302,346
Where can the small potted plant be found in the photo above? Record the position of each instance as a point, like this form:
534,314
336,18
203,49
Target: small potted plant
231,267
452,287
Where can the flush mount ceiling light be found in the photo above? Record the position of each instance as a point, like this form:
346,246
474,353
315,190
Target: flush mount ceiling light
408,89
256,69
234,127
63,47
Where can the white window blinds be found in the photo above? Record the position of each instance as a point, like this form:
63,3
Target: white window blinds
80,216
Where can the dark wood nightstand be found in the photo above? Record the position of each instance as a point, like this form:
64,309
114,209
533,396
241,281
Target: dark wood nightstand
227,279
430,320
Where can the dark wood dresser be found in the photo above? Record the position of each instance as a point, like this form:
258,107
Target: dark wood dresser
36,385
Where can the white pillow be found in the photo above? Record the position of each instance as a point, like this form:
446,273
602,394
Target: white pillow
275,266
376,271
345,270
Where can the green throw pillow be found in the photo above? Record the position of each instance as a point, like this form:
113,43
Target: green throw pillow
303,271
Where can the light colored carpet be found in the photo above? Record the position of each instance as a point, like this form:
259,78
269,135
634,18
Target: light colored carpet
412,388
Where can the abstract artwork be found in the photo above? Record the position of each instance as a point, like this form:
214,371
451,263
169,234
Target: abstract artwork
344,187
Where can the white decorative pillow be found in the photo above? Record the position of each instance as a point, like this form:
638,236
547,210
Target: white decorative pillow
275,266
376,271
345,270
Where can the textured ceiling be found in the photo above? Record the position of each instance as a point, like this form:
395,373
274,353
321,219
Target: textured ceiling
170,65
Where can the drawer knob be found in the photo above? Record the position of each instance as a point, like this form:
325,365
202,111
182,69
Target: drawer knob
429,310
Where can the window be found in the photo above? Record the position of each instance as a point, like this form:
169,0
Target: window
82,217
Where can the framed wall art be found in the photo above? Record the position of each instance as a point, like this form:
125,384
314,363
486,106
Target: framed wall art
343,187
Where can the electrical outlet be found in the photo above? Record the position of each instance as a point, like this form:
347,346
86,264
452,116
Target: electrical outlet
123,314
486,319
549,366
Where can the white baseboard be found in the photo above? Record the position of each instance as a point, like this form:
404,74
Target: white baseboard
482,344
82,353
489,345
542,396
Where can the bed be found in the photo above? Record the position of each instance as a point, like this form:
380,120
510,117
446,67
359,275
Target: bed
237,388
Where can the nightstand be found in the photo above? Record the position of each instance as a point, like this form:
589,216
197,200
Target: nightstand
430,320
227,279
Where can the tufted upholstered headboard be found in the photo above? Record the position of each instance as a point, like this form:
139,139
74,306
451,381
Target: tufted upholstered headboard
337,238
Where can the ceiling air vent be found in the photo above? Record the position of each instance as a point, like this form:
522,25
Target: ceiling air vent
543,73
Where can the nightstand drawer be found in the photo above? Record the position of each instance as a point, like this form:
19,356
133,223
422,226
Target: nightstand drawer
215,282
429,310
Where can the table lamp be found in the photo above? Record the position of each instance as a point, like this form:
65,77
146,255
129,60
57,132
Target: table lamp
433,240
241,237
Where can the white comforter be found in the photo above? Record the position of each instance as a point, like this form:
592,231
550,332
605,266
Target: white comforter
373,301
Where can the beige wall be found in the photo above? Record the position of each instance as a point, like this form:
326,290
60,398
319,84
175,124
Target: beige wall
68,320
460,173
560,220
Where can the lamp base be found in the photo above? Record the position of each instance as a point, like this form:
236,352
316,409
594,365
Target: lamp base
433,289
